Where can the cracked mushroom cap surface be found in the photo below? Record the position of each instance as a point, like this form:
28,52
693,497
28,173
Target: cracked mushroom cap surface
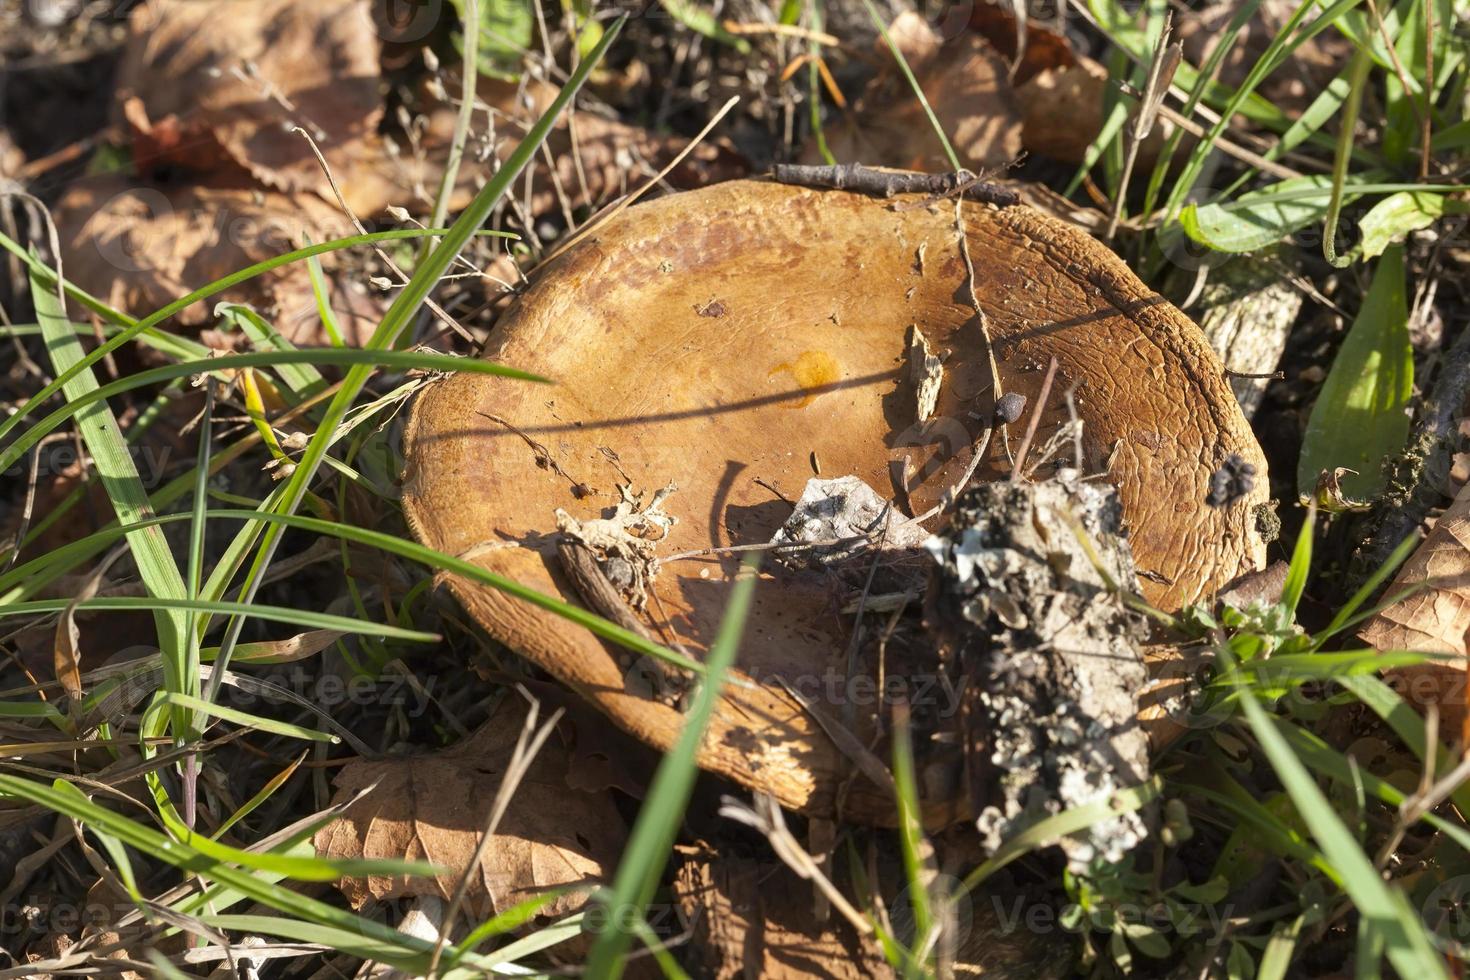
731,339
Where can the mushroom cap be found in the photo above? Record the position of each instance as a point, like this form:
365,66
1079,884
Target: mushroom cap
725,339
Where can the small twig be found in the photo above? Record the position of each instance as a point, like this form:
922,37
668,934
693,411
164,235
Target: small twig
383,256
766,817
781,546
1227,147
886,183
786,30
1036,410
1160,76
612,210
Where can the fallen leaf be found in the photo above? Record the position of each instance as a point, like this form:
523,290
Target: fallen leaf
1045,48
1434,619
965,83
434,808
139,246
235,76
1062,113
752,918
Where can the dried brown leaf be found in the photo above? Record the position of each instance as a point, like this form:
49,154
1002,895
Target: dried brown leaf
1045,48
233,77
1062,109
138,246
965,83
434,808
1435,618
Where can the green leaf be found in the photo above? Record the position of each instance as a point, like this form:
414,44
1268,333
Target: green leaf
1360,415
1147,939
1239,965
1276,960
1398,214
1259,218
699,19
507,28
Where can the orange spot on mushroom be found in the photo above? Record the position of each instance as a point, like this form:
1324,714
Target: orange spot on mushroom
812,370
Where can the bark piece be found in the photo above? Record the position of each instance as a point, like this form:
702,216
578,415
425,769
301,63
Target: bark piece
1049,655
1247,309
841,510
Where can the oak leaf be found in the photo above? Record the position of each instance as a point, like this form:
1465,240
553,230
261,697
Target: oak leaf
434,808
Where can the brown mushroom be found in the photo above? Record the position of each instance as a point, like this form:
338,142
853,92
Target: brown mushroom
726,338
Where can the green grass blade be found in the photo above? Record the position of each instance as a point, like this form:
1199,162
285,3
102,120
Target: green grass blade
302,380
392,544
135,328
119,476
278,614
654,832
359,360
399,317
1407,946
182,855
247,720
908,74
1301,563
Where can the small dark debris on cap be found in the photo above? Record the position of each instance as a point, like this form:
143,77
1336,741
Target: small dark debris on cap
1234,479
1010,406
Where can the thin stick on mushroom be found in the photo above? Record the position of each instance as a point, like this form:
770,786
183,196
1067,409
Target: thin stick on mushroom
1020,466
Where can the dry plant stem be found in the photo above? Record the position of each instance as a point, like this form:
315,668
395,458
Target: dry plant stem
1036,410
470,63
1426,785
528,746
1160,76
786,30
1398,65
767,818
612,210
1424,464
28,508
848,743
977,454
383,256
1241,153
